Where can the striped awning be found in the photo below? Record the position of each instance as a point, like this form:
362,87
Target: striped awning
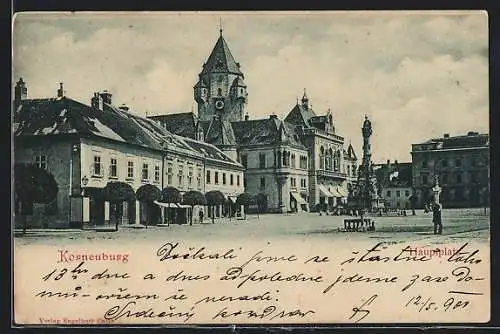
298,198
324,191
334,191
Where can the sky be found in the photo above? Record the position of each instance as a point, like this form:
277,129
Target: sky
416,75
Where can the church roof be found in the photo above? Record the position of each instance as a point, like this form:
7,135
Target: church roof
221,59
239,82
220,132
299,115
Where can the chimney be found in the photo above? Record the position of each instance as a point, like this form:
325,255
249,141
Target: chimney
124,107
388,162
395,162
60,91
106,96
246,117
96,102
20,91
446,135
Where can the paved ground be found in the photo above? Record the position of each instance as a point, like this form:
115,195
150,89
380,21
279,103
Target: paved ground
458,225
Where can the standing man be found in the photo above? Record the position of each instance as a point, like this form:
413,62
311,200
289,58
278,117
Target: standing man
436,218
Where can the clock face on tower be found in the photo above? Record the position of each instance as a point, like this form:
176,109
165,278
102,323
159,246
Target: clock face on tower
219,104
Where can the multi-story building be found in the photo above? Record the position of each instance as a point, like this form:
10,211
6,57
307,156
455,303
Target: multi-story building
395,181
296,163
85,147
461,164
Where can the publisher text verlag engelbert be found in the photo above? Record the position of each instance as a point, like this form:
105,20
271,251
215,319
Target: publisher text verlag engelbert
65,256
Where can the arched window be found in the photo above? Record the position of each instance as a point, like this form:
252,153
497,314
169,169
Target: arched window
329,159
293,161
336,163
219,91
278,158
322,158
284,158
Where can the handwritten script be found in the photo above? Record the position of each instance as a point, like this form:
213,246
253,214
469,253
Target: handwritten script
182,283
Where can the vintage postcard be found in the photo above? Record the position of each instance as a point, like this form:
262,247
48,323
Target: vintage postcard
250,168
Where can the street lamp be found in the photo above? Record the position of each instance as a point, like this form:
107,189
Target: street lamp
85,181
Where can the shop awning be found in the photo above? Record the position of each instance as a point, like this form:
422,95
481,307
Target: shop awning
324,191
341,192
334,191
298,198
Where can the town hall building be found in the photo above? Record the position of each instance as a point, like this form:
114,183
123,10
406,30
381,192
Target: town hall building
299,163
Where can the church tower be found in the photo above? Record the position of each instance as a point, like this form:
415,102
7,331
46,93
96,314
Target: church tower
220,90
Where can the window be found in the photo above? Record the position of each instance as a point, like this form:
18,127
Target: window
145,172
459,178
244,160
216,177
303,162
458,162
293,161
223,178
41,161
293,182
348,170
231,180
262,182
180,174
170,172
198,177
425,164
303,183
208,177
237,180
388,193
97,166
190,176
407,193
130,169
473,177
262,160
398,193
353,170
424,179
113,168
157,173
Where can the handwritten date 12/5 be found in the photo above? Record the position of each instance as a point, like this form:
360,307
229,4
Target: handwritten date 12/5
428,304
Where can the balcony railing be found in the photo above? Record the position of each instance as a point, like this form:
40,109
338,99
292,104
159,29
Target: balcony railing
330,173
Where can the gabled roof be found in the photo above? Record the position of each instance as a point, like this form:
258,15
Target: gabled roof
268,131
350,154
300,115
221,60
182,124
220,133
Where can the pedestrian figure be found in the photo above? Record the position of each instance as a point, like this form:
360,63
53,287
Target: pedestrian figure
436,218
201,216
